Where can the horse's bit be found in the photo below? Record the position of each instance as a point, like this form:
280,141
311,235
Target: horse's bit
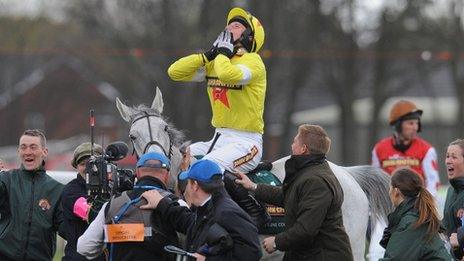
152,142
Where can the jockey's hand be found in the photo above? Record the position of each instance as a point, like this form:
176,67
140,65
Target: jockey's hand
153,197
245,181
2,166
269,245
225,44
212,53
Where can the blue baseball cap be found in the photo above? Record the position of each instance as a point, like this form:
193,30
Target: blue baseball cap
202,170
153,156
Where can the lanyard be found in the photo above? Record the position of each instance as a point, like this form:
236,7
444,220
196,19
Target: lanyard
126,206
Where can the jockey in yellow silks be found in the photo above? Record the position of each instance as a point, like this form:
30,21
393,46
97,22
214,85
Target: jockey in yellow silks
236,80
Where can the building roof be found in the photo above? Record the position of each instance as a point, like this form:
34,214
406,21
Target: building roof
34,79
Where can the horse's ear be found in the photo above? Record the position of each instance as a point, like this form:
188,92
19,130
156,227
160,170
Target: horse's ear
124,110
158,103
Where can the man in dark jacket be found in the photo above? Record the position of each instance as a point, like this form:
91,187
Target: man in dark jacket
74,203
30,213
312,198
218,228
144,233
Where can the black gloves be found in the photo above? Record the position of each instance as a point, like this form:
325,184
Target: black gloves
225,44
211,53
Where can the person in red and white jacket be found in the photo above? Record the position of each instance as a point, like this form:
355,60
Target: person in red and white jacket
404,149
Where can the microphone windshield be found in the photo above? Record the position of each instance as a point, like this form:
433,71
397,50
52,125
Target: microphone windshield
116,150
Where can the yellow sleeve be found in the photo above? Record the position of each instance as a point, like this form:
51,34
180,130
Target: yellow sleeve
188,68
240,71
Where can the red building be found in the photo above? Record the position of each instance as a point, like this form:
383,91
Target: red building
56,98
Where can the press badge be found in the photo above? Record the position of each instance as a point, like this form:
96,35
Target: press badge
115,233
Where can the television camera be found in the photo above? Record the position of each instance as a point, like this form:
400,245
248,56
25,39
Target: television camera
103,178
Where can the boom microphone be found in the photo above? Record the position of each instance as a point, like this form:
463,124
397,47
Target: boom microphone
116,150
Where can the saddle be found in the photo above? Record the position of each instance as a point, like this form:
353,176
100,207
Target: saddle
268,218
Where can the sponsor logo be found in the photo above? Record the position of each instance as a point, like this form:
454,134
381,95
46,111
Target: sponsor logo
44,204
216,83
249,156
400,162
220,95
275,211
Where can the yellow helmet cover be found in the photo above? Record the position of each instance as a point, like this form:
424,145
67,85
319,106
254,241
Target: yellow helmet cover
256,27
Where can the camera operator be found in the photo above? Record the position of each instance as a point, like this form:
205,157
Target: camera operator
77,212
133,233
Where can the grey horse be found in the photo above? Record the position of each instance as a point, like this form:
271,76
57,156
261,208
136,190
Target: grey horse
365,188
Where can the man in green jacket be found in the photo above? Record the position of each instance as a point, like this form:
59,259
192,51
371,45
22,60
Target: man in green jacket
29,204
312,198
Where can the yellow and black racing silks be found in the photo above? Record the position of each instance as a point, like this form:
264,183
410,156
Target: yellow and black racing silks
236,87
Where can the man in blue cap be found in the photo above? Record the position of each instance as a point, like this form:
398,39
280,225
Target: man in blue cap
217,228
145,233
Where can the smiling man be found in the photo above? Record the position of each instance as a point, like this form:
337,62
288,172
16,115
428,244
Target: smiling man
29,204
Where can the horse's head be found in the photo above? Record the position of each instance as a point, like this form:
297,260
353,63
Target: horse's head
149,131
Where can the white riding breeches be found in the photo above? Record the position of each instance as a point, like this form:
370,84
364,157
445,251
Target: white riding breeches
233,150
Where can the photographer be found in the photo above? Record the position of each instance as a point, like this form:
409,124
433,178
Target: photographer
218,228
74,198
145,233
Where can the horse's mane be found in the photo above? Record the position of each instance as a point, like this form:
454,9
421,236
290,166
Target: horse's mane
176,136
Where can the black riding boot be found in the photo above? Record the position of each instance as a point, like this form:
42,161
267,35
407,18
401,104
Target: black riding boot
246,201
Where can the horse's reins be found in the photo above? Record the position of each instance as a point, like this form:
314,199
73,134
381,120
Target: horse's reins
152,141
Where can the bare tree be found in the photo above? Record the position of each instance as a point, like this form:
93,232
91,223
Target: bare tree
454,39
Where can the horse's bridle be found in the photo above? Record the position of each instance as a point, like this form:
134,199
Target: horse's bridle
152,142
